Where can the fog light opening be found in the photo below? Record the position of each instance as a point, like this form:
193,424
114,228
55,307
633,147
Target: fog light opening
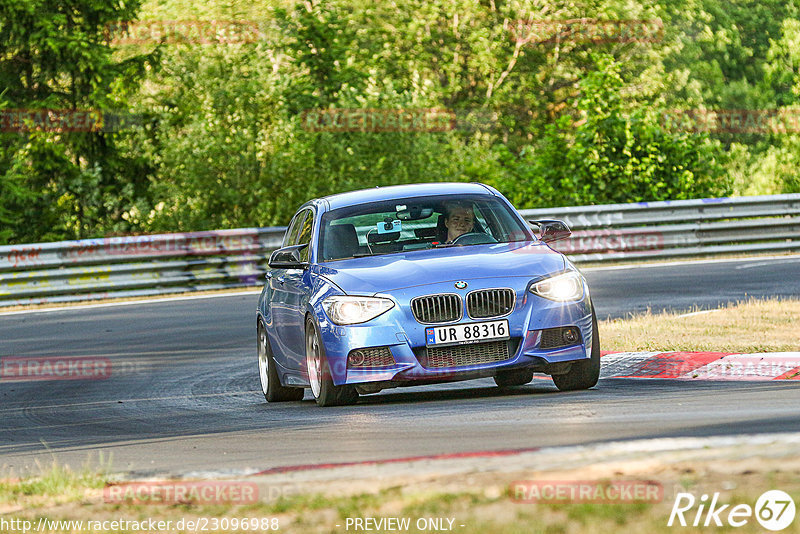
356,358
570,336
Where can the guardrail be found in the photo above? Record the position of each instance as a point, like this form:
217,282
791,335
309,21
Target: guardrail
135,265
172,263
672,229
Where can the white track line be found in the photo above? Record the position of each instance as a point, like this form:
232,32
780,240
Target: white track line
765,259
596,453
132,302
763,263
124,401
701,312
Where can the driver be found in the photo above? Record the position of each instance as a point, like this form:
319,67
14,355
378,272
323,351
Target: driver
459,220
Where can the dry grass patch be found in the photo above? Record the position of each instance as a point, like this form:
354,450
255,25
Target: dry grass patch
771,325
56,485
481,502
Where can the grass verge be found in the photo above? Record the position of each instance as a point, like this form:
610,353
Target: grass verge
747,326
56,485
473,503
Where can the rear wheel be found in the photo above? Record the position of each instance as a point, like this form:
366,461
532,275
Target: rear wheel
585,373
270,383
514,377
319,372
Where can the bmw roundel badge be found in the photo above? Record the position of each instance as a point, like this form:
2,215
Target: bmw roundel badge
461,284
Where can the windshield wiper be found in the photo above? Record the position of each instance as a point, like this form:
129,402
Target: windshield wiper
367,254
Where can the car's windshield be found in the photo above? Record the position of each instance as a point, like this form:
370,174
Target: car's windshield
402,225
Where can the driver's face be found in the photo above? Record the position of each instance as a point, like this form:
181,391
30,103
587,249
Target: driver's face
459,222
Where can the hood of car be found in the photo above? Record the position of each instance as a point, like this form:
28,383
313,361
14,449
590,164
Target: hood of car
378,274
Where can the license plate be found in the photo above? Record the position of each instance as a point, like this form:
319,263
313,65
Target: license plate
463,334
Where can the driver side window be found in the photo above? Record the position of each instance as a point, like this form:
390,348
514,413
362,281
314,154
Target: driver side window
299,232
290,236
304,235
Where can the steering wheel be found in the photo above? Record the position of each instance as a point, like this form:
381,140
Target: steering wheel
474,238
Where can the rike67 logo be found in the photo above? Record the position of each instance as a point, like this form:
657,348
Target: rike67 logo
774,510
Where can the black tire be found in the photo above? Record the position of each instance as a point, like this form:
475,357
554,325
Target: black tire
319,372
273,390
583,374
514,377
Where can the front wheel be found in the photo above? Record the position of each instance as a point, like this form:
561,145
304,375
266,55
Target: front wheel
585,373
270,383
319,372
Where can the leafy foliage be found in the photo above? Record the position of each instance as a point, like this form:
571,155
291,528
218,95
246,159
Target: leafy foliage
60,183
551,119
607,155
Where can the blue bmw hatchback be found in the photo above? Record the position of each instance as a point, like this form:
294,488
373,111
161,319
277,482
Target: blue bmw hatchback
420,284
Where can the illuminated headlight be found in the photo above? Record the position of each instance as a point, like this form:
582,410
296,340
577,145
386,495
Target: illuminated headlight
562,287
344,309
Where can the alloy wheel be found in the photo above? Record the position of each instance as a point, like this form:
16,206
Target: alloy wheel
263,360
313,363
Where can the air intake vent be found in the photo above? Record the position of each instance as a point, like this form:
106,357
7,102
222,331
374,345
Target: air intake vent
371,357
432,309
465,355
554,338
487,303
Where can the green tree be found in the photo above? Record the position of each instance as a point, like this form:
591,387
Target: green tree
610,153
225,143
55,56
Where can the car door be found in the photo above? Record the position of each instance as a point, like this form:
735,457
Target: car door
292,290
279,298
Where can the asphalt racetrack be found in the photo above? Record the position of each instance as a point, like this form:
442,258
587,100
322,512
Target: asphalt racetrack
184,395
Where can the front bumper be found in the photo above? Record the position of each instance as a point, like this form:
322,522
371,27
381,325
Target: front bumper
398,330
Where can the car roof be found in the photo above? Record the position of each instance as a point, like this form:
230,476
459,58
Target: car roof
377,194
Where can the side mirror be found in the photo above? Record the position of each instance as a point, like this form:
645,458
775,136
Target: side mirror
552,229
288,258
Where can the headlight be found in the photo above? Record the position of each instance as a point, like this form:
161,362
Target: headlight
353,310
562,287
